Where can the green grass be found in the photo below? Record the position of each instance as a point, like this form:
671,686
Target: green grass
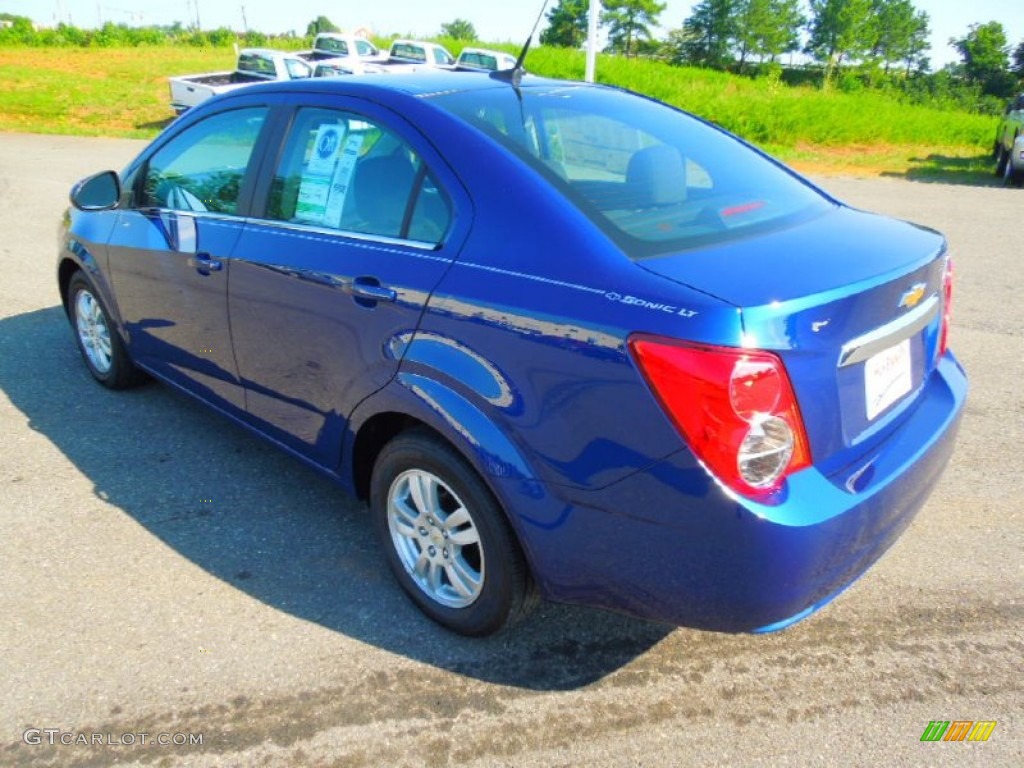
767,112
123,92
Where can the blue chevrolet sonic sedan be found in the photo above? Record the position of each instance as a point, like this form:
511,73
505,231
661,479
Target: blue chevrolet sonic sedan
567,341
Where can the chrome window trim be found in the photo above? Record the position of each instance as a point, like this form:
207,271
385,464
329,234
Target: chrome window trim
215,215
331,232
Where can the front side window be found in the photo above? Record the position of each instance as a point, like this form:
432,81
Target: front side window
297,69
202,168
655,179
366,48
442,57
342,171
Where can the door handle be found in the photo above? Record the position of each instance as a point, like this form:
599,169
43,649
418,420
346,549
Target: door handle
205,264
370,289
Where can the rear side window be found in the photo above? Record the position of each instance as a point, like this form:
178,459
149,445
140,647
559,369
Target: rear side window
342,171
202,168
655,179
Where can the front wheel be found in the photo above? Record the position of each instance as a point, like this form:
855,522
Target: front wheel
101,347
446,538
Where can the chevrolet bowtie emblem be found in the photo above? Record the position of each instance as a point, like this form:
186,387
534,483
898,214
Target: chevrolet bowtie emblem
913,297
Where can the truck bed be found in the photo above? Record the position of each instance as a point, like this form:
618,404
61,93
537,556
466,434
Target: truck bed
222,78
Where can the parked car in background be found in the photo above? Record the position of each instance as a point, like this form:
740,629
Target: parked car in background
255,65
483,60
1009,144
566,340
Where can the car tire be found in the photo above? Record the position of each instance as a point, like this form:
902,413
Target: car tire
1011,177
98,341
1002,161
447,539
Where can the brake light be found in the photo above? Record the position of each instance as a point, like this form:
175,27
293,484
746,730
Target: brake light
734,407
947,306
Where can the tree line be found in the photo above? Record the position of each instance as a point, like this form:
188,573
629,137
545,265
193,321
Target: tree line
873,39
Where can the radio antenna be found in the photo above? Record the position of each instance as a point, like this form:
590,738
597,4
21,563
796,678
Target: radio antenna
515,75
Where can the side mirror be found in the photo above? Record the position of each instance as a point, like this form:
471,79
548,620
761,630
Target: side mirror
99,192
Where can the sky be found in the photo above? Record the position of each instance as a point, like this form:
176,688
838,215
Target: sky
493,21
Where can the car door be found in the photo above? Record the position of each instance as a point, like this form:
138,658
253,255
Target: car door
361,220
169,255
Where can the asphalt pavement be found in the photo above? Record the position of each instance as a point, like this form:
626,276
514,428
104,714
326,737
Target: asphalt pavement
165,576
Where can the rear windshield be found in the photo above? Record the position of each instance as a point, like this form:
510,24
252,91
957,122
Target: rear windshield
332,45
482,60
254,62
408,51
654,178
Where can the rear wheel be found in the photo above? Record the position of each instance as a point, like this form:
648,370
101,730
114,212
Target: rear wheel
446,538
101,347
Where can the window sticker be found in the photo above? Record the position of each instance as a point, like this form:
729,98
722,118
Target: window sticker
327,176
315,186
342,179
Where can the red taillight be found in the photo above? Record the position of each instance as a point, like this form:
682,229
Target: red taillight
947,306
734,407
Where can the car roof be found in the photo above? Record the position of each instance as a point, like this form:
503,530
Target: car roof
416,84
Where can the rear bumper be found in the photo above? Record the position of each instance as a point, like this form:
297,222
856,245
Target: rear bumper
670,545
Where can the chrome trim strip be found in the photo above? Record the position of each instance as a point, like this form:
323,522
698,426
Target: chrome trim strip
155,210
863,347
360,236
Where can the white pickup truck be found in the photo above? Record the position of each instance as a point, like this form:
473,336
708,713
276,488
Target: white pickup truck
255,65
403,56
335,45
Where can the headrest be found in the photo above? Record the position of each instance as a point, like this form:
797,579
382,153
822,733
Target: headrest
658,175
381,188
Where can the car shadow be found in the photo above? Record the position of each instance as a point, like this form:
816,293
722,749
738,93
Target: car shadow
261,521
975,170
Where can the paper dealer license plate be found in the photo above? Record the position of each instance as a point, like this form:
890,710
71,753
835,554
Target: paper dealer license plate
887,378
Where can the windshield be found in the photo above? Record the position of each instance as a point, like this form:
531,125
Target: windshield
654,178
